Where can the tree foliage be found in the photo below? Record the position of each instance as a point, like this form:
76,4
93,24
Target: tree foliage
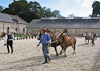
96,8
30,11
71,15
1,9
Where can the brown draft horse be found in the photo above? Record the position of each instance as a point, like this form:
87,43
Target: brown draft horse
79,35
3,34
66,41
87,37
53,38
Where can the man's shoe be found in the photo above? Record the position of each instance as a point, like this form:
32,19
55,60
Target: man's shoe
44,62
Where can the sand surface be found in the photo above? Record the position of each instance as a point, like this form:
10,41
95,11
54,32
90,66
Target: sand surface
27,58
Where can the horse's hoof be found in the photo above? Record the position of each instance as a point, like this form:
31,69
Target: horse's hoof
57,54
74,53
65,55
60,53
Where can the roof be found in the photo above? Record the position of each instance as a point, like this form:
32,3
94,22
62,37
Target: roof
10,18
65,23
49,18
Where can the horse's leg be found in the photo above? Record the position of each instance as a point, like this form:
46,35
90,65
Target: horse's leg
56,51
61,51
85,39
65,51
74,49
91,41
88,41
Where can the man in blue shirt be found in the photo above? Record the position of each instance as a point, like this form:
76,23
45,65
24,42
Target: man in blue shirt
45,40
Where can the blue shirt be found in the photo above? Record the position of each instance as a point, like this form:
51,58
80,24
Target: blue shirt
45,37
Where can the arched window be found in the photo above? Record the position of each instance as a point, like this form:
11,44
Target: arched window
23,30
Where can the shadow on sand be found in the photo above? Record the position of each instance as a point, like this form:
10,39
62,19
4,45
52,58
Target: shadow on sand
4,53
21,64
84,44
96,66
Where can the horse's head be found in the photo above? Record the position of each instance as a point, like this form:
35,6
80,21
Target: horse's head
61,36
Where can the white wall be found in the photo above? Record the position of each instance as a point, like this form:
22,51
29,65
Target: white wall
12,27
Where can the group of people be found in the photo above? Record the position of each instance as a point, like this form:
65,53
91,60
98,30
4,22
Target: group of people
45,40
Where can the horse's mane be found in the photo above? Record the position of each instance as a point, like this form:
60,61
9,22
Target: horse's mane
65,34
49,31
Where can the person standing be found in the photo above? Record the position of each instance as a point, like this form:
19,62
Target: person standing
9,40
93,37
45,40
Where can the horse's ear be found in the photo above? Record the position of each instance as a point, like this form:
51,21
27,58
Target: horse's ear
60,31
62,36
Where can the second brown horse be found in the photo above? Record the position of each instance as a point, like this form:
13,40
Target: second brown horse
66,41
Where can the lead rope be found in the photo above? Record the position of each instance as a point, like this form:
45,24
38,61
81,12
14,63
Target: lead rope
52,42
38,48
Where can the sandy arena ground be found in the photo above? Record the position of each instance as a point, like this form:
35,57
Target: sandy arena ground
27,58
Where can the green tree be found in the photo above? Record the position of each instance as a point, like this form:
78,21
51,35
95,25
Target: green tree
96,8
56,13
1,9
72,15
19,8
30,11
35,9
49,13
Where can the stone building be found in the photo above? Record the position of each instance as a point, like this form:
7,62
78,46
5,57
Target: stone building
73,26
12,23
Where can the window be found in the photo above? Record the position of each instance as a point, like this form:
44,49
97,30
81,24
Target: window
23,30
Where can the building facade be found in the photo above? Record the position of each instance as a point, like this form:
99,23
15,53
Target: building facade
72,26
12,23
